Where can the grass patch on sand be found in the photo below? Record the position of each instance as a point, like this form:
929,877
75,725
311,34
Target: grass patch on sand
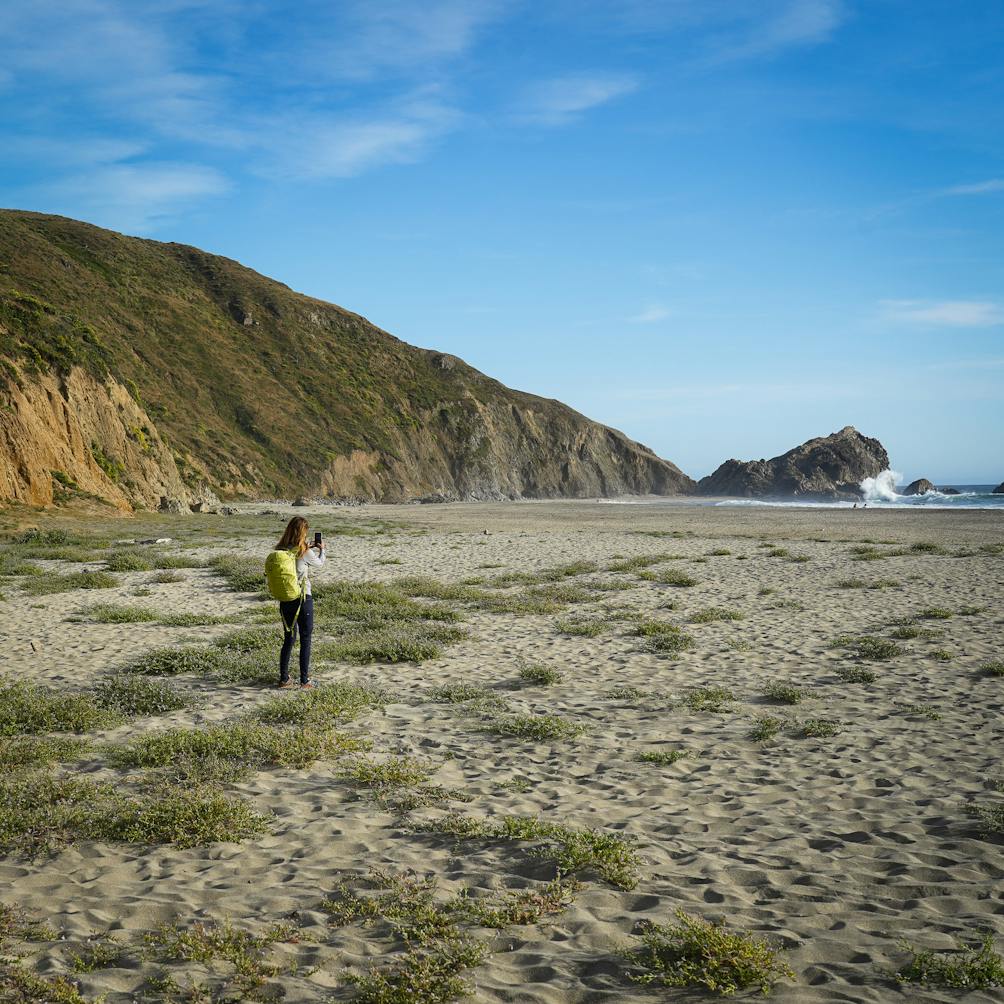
212,944
628,693
458,693
166,577
39,751
906,632
369,605
572,851
174,661
990,817
538,728
539,673
392,643
41,812
331,702
868,647
694,952
928,711
241,574
926,547
27,708
44,585
662,637
136,695
436,949
580,628
232,750
711,614
971,967
818,728
662,758
669,577
638,562
765,728
713,699
549,595
391,773
518,907
995,667
544,575
856,674
20,985
116,613
784,693
129,561
100,952
935,614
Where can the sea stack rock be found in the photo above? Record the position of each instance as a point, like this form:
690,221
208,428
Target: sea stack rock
999,490
918,487
950,491
830,467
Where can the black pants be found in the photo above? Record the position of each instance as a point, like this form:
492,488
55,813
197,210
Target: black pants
305,622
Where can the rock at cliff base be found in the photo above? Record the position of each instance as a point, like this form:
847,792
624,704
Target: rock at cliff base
919,487
830,467
175,505
300,501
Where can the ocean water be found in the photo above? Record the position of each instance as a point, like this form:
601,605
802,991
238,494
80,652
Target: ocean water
883,492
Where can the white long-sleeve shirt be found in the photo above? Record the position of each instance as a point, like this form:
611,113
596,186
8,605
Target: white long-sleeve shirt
311,559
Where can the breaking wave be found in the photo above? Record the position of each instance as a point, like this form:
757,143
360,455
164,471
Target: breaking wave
882,487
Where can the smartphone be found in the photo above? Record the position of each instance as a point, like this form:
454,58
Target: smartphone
317,539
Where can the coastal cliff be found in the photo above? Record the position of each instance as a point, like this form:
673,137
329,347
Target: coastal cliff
829,467
133,370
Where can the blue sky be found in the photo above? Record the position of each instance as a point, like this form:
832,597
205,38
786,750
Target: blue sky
722,226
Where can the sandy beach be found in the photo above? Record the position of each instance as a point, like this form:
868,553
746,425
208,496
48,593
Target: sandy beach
838,826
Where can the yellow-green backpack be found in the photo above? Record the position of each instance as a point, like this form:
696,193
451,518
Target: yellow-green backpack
280,576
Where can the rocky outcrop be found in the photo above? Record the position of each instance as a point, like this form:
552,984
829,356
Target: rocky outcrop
260,391
950,491
919,487
999,490
830,467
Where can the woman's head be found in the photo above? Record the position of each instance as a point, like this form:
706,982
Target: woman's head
294,537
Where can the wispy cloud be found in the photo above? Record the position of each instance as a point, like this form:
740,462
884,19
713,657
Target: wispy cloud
725,30
342,149
376,37
978,188
793,23
134,197
652,314
943,313
563,99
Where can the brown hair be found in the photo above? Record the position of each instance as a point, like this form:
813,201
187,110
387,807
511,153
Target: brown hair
294,537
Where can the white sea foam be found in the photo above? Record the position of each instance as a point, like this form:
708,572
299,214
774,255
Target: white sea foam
882,487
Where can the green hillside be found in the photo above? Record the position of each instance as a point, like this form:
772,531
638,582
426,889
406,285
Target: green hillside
259,390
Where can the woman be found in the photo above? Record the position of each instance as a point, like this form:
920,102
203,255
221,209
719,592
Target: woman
298,613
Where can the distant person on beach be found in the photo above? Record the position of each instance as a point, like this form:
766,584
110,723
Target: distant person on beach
299,612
